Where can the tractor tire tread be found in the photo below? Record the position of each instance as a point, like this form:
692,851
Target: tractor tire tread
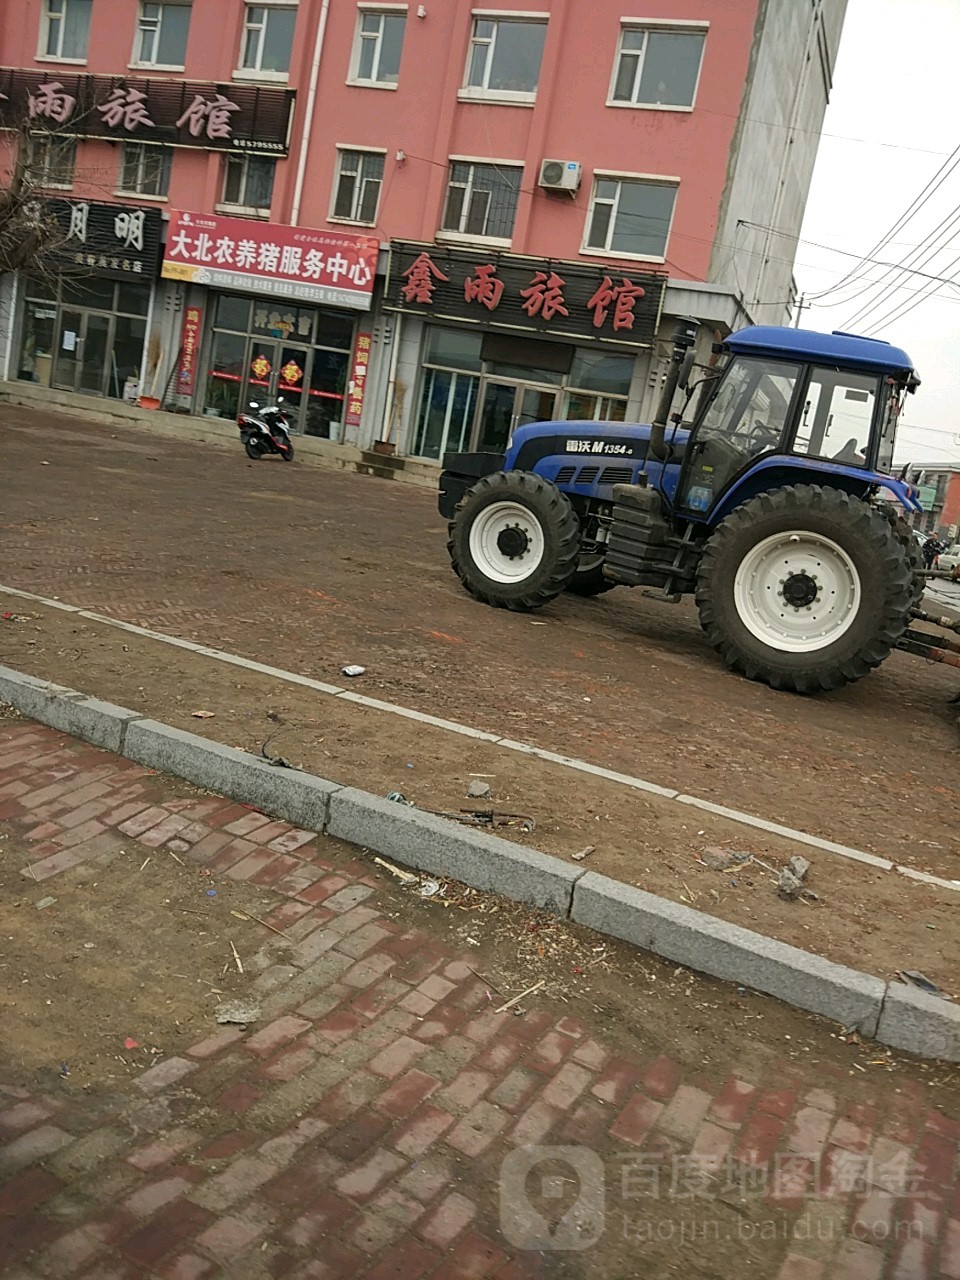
554,511
880,539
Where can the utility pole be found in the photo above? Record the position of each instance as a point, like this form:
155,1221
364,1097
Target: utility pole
801,307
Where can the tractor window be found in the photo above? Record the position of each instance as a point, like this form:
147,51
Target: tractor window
836,415
745,418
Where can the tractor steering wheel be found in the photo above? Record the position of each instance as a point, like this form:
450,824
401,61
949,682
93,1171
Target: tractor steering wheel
763,436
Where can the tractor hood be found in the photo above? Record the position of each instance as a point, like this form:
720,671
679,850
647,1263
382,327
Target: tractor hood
576,441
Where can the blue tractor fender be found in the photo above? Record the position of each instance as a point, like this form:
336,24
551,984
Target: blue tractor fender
775,471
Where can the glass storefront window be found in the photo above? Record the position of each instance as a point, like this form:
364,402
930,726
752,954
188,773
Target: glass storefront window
36,351
335,330
446,413
295,323
601,371
325,395
227,366
580,407
89,291
454,349
133,299
233,312
460,411
524,373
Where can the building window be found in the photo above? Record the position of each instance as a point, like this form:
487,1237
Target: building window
268,38
66,26
54,160
359,179
657,68
505,57
482,199
145,169
162,35
248,182
631,216
376,58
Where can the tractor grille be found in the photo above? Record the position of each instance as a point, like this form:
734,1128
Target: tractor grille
588,475
564,475
616,475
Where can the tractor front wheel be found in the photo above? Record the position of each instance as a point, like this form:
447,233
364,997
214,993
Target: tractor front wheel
805,588
514,540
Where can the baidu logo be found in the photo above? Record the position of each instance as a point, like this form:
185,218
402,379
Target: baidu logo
552,1198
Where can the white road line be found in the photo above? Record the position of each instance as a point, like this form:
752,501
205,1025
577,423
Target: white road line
509,744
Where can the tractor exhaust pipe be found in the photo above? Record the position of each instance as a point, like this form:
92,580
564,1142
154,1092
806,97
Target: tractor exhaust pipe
681,362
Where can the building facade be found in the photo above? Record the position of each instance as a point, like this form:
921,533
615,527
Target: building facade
422,224
939,487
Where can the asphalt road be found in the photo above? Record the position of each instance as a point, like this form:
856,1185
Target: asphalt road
308,569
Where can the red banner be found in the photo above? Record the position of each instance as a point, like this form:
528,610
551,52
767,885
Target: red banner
331,267
358,380
189,349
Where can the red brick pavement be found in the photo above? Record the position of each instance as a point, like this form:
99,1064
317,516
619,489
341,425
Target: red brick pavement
358,1130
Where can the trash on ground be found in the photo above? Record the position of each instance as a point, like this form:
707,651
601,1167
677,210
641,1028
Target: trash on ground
489,818
45,902
399,798
353,670
236,958
914,978
478,790
14,617
64,1069
583,853
203,715
429,888
790,884
240,1012
405,877
516,999
724,859
130,1043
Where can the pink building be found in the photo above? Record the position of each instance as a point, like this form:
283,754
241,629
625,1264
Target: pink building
419,223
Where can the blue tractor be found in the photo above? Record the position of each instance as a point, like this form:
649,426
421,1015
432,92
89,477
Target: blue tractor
774,505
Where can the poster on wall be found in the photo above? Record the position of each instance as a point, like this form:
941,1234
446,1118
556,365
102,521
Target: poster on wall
358,380
331,267
189,349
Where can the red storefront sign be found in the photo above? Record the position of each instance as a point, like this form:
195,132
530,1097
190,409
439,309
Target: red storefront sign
189,347
358,380
330,267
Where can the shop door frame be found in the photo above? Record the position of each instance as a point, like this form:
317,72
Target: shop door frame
85,313
297,413
520,390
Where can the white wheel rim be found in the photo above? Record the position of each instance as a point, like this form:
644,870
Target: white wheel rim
486,532
775,580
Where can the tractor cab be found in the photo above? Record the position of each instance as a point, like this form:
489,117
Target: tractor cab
800,402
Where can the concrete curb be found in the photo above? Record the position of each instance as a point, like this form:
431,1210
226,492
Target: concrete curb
727,951
896,1014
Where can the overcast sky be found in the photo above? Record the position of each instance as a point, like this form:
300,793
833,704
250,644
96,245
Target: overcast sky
892,123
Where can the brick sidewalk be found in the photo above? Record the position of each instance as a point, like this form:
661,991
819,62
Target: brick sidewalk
359,1129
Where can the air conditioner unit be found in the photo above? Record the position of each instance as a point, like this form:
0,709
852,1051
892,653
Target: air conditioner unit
561,175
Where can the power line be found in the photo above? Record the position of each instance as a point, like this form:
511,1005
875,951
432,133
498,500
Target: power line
914,207
919,257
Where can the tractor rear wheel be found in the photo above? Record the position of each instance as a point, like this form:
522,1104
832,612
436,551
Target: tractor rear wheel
514,540
805,588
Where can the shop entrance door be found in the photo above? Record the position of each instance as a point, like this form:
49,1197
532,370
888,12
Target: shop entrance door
504,406
277,369
84,360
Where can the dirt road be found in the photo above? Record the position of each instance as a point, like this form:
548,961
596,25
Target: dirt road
308,568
